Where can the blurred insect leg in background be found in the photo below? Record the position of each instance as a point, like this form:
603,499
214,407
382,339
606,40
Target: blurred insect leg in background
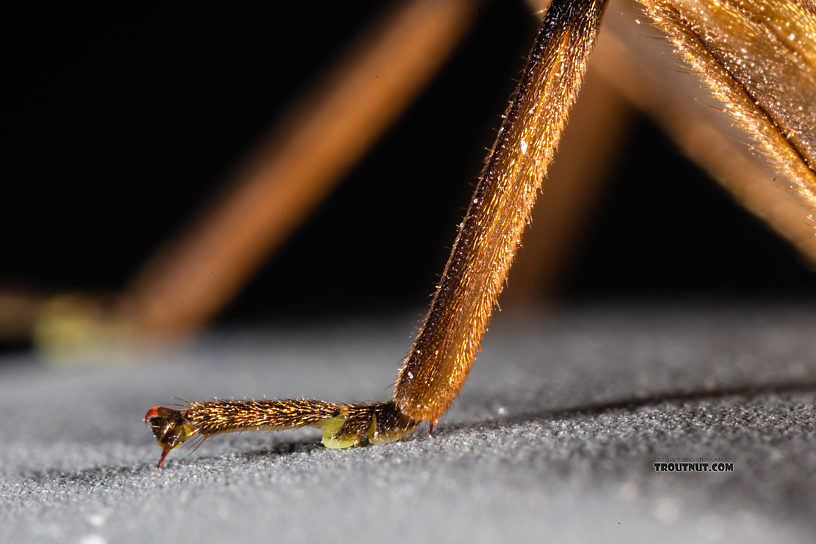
195,274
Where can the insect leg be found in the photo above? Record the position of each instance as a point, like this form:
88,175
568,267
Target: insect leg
440,359
489,235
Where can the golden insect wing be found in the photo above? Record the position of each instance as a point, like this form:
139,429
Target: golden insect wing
758,57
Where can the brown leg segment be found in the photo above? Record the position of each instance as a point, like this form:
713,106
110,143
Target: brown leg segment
439,362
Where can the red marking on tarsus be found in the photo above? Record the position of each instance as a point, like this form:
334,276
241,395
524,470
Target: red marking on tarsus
153,412
431,425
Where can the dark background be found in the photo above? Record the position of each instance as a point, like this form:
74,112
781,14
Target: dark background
117,124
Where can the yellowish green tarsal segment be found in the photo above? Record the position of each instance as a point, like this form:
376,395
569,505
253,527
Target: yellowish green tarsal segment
331,427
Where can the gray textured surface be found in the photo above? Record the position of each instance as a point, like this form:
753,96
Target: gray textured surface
553,438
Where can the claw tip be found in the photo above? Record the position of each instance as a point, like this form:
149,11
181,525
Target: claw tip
165,451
